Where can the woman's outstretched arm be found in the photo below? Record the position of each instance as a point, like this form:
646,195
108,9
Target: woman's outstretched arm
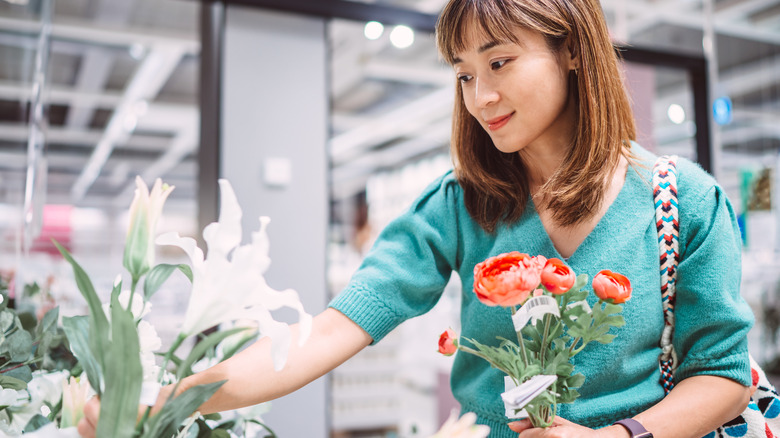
250,375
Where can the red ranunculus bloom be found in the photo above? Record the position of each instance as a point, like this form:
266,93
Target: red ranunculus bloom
557,277
608,284
507,279
448,342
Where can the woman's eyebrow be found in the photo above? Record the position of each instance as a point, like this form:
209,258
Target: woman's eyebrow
482,48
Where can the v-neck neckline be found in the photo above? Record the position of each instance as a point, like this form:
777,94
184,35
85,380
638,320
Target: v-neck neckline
602,222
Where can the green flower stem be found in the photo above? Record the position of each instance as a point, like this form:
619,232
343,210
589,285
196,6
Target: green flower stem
520,340
543,350
19,365
176,344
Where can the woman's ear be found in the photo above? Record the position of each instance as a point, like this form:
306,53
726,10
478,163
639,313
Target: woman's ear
573,54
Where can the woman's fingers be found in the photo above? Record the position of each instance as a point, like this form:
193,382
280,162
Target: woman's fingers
519,426
87,426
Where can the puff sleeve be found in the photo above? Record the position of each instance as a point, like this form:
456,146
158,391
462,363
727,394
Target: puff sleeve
406,270
711,318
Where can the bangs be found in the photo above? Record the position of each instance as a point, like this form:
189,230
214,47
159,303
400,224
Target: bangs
455,28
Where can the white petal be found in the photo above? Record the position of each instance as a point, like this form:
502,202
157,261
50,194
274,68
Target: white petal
224,235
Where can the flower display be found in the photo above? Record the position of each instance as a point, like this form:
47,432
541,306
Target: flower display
448,342
118,349
609,285
553,322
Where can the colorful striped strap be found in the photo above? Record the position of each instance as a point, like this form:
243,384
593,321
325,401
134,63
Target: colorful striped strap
668,225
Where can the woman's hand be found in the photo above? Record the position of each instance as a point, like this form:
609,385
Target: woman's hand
87,426
562,428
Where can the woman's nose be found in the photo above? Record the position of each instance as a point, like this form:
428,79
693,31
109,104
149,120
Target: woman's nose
485,93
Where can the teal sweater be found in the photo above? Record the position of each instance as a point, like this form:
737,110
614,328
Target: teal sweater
405,272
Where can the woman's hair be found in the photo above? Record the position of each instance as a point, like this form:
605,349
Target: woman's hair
495,184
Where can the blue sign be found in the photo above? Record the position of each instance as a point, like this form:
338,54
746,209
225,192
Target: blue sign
721,110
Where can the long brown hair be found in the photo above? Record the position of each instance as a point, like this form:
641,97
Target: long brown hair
495,184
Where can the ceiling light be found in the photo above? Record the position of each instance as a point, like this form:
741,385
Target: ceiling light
676,113
402,36
373,30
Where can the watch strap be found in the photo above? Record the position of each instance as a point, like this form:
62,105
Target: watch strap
635,428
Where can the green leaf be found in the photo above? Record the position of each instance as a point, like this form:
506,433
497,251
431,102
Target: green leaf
123,376
35,423
185,369
240,344
98,323
8,382
22,373
7,319
175,411
159,274
48,323
19,345
77,329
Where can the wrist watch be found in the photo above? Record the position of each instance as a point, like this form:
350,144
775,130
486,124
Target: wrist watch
635,428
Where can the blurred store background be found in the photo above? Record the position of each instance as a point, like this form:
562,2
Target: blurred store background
95,92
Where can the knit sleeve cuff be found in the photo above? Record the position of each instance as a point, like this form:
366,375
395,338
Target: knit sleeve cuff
367,310
735,366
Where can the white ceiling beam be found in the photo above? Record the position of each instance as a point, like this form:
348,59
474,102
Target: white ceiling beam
406,120
19,132
88,32
96,62
147,81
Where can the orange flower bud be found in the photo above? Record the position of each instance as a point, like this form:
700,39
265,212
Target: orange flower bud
557,277
611,285
448,342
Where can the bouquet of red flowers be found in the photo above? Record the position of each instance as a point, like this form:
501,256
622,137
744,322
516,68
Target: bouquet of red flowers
553,322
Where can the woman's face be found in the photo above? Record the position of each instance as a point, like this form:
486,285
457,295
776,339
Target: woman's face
519,92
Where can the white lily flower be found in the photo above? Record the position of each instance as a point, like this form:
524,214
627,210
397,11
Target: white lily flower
75,393
462,428
144,213
229,284
149,342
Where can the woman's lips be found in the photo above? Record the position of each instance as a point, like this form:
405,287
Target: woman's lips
498,122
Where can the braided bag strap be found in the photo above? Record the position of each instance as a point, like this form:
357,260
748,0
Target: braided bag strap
668,226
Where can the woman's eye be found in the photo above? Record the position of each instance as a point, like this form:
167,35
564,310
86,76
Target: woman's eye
464,78
495,65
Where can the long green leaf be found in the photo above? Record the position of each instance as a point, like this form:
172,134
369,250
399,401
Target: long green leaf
157,276
202,347
98,323
175,411
76,329
123,377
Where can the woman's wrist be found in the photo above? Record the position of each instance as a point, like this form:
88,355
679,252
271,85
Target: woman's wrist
616,431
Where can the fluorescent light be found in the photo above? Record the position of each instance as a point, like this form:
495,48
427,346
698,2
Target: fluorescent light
373,30
402,36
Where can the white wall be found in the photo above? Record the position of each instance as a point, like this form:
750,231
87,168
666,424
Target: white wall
275,106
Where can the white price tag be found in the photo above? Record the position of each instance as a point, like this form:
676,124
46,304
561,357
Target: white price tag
510,411
535,308
520,396
149,393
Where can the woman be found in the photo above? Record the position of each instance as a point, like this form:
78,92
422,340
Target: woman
544,164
